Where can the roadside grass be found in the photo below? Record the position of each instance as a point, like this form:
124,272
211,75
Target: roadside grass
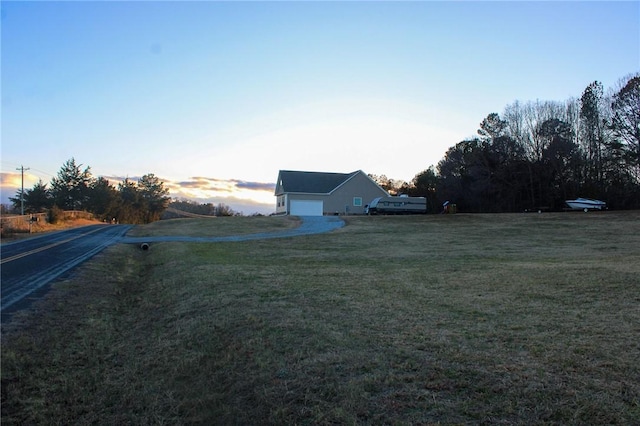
17,231
450,319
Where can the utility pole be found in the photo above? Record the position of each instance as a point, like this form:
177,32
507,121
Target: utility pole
22,169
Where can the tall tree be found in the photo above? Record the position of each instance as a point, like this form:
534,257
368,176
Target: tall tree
499,164
461,180
131,205
70,188
154,195
590,112
36,199
492,127
545,152
103,198
524,123
425,184
559,171
505,161
626,122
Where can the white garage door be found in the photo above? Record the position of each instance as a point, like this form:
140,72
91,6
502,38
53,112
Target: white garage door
306,208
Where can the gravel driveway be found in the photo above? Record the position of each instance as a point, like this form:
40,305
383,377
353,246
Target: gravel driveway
310,225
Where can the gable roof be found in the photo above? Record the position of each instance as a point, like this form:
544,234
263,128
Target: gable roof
310,182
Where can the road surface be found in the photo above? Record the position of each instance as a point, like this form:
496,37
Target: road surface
29,265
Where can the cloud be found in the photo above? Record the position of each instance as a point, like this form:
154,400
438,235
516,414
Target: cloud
189,184
201,184
256,186
220,185
12,180
10,184
225,183
241,195
209,179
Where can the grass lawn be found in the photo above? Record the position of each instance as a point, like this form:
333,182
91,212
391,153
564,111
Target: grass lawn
450,319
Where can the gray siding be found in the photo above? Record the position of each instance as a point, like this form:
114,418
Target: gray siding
360,186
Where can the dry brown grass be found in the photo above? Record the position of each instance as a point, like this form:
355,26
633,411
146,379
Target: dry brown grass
215,226
26,230
462,319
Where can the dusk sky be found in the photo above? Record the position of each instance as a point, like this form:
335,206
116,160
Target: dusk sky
216,97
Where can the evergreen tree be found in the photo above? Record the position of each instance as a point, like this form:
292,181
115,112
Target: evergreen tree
36,199
70,188
154,195
103,199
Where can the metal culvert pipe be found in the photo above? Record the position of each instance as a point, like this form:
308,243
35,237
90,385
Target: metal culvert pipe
144,246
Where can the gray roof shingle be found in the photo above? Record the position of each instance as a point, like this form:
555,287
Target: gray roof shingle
310,182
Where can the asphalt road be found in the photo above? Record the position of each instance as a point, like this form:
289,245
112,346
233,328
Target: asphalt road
29,265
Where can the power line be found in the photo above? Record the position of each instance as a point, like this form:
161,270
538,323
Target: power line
22,169
33,169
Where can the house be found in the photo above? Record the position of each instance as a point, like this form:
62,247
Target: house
301,193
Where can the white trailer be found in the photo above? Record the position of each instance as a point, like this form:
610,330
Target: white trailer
397,205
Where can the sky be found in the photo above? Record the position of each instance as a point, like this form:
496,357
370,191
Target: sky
215,98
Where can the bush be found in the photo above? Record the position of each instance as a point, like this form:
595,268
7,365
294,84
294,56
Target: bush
56,215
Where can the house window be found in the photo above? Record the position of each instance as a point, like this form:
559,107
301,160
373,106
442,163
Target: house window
357,201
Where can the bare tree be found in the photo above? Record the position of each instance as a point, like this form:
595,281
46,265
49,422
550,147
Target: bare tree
625,120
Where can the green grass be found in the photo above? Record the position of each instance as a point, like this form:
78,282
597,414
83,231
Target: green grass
459,319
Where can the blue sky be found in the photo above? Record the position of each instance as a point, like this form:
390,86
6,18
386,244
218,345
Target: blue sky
216,97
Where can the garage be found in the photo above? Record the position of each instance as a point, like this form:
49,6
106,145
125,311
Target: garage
306,208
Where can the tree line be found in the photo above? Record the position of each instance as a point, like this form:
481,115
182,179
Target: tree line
533,156
187,208
536,155
74,188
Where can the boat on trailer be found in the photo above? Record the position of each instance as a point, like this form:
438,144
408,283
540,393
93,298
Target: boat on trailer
586,204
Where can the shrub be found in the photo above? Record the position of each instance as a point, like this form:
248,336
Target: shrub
56,214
